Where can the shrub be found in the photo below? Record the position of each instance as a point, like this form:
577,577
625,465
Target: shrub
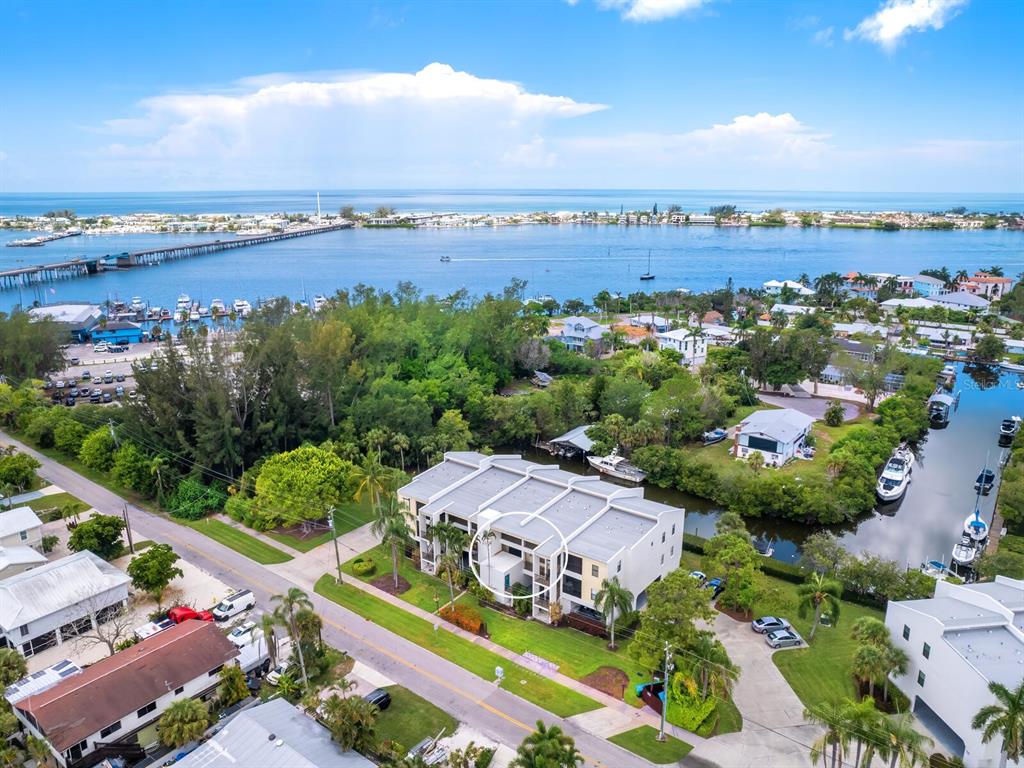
464,617
68,437
131,469
97,451
49,542
785,571
41,425
193,501
18,470
239,509
363,566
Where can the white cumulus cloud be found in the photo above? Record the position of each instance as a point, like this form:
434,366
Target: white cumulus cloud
897,18
823,37
651,10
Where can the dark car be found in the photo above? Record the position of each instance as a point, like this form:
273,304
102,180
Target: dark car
73,392
107,397
986,479
768,624
119,377
379,698
84,391
716,586
69,401
86,375
783,638
95,396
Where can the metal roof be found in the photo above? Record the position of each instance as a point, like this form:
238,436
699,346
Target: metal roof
272,735
52,587
17,520
577,438
783,424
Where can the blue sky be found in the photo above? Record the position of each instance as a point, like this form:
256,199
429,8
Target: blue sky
897,95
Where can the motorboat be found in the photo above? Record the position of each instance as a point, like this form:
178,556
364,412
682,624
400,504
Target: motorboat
904,452
1010,427
193,314
617,466
895,477
975,527
165,314
319,302
966,551
934,568
445,259
184,302
716,435
1006,365
217,307
939,407
136,304
242,307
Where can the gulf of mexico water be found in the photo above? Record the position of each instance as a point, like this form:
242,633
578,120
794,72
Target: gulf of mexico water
564,261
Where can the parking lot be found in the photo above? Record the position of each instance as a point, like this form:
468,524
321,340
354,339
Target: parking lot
96,371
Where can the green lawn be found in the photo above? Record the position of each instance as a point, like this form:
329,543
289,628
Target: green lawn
348,517
643,741
411,718
422,586
56,501
240,541
535,688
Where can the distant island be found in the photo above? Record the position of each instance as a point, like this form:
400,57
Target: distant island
67,223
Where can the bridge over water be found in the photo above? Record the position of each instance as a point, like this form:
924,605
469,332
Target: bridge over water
24,277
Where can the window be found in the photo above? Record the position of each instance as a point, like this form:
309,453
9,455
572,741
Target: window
146,709
512,550
618,568
23,535
575,565
662,558
672,550
926,651
920,679
24,630
214,671
593,594
76,752
906,632
662,537
594,570
110,729
673,529
179,690
571,586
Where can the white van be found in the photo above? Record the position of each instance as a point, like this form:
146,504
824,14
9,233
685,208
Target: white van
234,605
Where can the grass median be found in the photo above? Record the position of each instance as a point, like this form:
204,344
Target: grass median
643,741
240,541
555,698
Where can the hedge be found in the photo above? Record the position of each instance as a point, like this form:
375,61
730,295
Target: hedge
465,617
363,566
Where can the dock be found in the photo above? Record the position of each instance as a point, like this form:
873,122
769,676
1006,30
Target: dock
24,277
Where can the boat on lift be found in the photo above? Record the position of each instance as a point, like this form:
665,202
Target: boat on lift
1010,427
617,466
966,551
934,568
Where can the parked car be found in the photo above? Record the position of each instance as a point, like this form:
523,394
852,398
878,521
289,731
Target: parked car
240,634
117,347
101,347
74,392
181,613
84,391
47,384
75,361
56,397
97,379
69,401
61,384
768,624
716,587
107,397
783,638
699,576
119,391
234,605
986,479
95,396
284,668
118,377
108,377
154,366
86,375
132,395
379,698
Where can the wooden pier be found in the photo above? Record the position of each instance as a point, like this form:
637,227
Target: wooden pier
26,277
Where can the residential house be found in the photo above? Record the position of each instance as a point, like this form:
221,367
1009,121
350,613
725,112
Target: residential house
775,287
891,305
274,734
77,319
21,541
690,343
575,332
120,332
45,606
712,317
701,218
962,301
557,533
868,329
789,310
928,286
118,700
957,642
720,335
650,320
992,287
776,434
858,350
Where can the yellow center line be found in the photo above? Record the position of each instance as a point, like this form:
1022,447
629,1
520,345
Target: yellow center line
391,655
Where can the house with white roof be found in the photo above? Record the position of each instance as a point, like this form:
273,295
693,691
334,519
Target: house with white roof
21,527
891,305
557,533
963,301
775,287
775,433
650,320
48,605
967,636
575,332
690,343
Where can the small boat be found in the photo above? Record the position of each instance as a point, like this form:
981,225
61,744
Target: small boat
716,435
319,302
1006,365
966,551
165,314
193,314
242,307
648,275
617,466
975,527
934,568
217,307
204,312
136,304
445,259
895,478
764,548
939,407
1010,427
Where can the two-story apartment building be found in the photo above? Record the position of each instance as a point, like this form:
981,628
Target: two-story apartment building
958,642
46,606
691,344
117,701
557,533
575,332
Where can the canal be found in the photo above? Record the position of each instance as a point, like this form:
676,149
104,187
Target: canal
928,521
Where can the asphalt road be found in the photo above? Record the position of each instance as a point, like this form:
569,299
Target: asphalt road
498,714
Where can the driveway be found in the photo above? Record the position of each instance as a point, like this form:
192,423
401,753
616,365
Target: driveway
812,406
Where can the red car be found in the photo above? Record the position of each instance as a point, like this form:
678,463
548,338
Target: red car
184,613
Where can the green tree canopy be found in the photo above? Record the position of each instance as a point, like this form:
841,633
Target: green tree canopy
100,534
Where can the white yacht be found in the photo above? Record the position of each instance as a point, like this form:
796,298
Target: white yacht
242,307
615,465
136,304
1010,427
966,551
319,302
184,303
895,477
975,527
193,313
217,307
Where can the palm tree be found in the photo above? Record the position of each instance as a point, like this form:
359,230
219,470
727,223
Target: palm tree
869,664
547,748
902,743
289,604
896,661
288,686
452,539
709,663
613,600
183,721
13,667
834,739
391,528
352,722
486,536
1005,719
39,750
862,722
269,626
816,595
371,478
157,465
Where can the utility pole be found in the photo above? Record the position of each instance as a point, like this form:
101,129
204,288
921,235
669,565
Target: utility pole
664,703
113,434
128,528
334,538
